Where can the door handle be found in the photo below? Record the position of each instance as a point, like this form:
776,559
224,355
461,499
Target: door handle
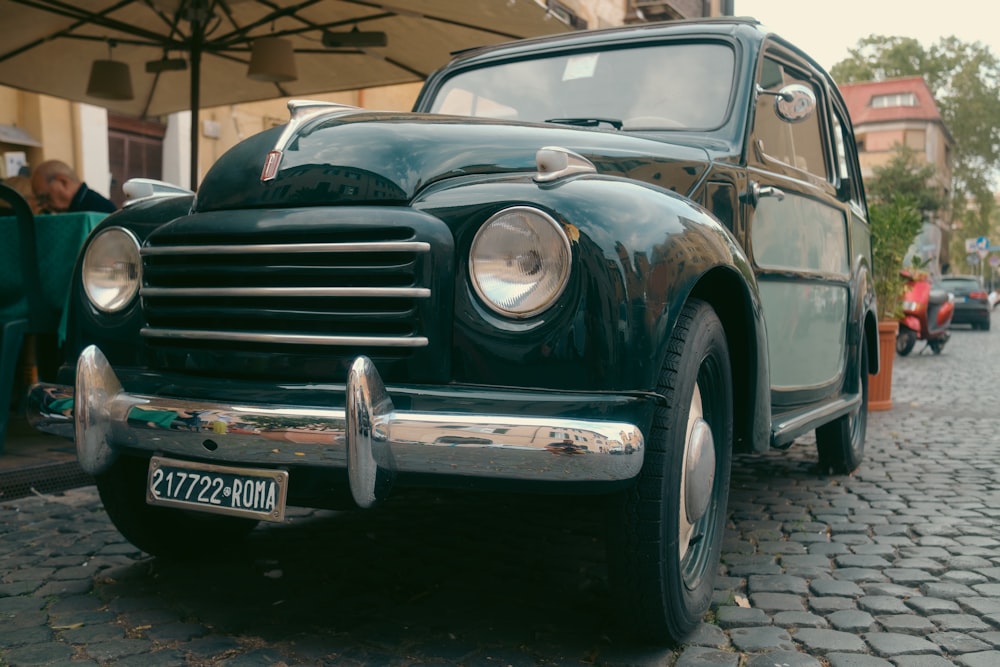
756,192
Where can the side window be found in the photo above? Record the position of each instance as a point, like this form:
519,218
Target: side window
800,234
847,169
838,140
799,144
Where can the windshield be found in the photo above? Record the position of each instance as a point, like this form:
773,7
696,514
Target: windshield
679,86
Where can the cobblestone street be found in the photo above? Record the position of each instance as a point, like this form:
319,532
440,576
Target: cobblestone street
896,565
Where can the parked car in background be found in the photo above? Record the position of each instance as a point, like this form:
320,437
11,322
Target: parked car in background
972,304
593,263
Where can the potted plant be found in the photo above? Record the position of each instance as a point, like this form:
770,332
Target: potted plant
894,224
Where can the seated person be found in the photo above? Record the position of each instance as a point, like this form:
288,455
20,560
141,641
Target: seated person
23,186
58,187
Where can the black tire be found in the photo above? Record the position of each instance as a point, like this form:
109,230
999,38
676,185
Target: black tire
162,531
986,325
841,443
937,346
662,565
905,340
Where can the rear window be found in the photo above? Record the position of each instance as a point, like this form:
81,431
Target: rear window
963,285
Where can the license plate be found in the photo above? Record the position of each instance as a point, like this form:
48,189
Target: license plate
243,492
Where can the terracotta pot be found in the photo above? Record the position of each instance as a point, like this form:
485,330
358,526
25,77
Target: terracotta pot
880,386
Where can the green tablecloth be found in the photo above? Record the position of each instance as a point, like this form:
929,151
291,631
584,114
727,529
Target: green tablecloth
59,238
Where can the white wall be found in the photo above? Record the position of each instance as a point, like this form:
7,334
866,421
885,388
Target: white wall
94,164
177,150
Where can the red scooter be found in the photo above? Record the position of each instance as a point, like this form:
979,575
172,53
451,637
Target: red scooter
927,313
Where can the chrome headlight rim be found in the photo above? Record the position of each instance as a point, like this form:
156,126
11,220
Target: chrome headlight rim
129,291
565,250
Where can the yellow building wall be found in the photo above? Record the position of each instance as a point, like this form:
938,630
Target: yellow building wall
9,103
50,120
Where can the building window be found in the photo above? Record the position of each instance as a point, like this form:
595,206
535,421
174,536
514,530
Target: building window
894,100
916,139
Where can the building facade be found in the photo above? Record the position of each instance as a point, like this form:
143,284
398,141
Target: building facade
902,112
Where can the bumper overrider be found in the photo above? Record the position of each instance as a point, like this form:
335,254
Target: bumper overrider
368,437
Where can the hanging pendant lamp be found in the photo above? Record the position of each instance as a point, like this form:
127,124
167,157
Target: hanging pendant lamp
272,59
110,79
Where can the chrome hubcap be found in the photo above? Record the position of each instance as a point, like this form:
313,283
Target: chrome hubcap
698,473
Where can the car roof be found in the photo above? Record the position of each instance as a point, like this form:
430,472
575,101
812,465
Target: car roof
701,25
746,28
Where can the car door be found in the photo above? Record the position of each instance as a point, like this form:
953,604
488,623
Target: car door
799,235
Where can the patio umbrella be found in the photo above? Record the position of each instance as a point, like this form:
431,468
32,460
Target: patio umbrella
191,54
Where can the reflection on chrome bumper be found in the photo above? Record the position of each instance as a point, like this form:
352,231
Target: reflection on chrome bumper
368,437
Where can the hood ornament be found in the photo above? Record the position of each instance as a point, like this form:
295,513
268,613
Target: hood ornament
301,112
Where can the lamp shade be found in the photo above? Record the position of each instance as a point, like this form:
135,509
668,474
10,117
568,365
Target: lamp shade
272,59
110,80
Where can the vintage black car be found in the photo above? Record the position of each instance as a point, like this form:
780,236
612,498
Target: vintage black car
598,262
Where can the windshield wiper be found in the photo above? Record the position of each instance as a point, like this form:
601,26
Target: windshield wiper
589,121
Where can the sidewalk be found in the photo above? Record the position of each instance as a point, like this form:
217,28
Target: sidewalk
34,462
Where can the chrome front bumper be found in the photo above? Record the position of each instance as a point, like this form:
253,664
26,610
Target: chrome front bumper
368,437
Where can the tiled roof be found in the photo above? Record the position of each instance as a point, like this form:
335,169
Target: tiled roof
858,97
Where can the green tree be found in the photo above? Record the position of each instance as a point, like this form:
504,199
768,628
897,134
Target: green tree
965,81
905,175
899,198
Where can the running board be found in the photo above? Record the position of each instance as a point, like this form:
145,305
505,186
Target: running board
789,425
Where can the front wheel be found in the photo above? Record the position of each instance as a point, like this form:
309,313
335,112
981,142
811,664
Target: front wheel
666,531
905,340
162,531
841,443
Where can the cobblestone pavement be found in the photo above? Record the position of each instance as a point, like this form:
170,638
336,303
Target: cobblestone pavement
898,564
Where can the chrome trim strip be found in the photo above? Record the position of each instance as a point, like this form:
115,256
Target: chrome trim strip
385,292
252,248
369,434
285,338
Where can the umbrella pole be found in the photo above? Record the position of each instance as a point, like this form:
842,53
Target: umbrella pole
197,34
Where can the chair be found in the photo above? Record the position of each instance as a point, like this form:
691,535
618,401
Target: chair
26,311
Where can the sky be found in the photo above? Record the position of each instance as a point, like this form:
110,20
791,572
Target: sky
826,30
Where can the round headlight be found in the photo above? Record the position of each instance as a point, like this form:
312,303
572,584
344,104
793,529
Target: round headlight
112,269
519,262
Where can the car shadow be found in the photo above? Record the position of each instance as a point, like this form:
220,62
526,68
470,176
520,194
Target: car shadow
442,575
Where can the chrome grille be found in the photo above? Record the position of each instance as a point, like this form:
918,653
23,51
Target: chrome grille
216,306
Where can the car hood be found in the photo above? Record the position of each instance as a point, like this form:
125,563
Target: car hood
352,157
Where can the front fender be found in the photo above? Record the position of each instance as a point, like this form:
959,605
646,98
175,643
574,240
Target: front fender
116,336
639,252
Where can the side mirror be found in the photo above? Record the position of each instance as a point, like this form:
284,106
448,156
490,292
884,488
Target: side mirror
793,103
